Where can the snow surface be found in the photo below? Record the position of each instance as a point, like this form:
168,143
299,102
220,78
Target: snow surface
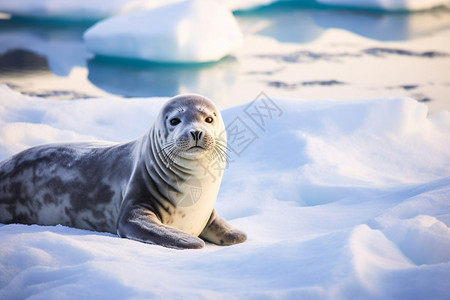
409,5
184,32
340,200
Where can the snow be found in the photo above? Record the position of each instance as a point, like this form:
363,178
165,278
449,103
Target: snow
340,200
409,5
184,32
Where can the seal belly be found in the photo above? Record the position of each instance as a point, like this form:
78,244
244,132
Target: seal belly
193,209
191,219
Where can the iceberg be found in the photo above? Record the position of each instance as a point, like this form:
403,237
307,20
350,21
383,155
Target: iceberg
390,5
94,10
341,199
78,10
186,32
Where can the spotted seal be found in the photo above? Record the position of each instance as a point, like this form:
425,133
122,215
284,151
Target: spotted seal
158,189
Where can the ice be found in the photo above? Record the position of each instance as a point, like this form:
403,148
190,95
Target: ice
245,4
76,10
189,31
340,200
91,10
387,5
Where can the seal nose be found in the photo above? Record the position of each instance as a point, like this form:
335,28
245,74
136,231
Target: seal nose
196,135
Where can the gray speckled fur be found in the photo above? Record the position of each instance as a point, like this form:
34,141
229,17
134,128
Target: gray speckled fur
118,188
68,184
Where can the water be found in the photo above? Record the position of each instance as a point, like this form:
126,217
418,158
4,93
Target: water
289,51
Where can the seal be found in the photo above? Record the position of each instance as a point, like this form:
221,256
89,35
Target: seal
159,189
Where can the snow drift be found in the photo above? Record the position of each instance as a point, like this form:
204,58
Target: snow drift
340,200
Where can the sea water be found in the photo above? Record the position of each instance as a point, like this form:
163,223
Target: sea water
289,51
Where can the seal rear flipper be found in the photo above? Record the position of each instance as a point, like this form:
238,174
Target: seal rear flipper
143,225
219,232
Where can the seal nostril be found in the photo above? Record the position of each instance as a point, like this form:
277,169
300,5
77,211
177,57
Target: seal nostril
196,135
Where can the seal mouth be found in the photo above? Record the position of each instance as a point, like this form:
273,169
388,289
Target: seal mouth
195,149
216,149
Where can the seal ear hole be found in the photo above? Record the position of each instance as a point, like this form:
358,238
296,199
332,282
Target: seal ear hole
175,121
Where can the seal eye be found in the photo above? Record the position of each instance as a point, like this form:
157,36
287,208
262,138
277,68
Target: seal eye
209,120
175,121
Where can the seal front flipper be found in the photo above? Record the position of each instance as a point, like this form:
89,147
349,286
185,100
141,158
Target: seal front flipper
219,232
143,225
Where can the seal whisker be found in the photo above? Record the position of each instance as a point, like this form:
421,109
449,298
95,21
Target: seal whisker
175,155
222,154
172,155
220,142
224,150
168,144
169,153
164,154
223,146
219,156
213,155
